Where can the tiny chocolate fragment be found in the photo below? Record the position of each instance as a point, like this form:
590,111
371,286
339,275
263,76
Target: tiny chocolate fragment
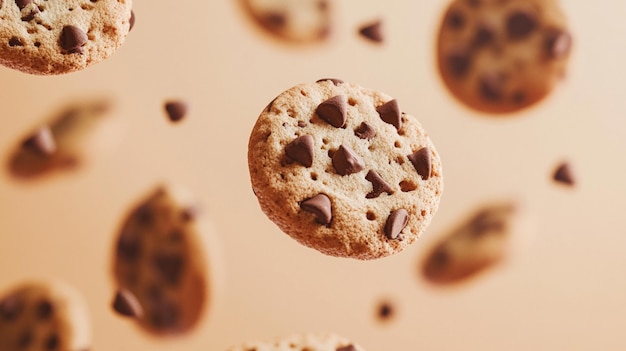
10,308
22,3
131,21
176,110
484,35
345,161
557,43
396,221
563,174
126,304
385,311
42,141
72,39
346,348
169,266
372,31
45,310
365,131
320,206
456,20
378,184
333,111
491,87
390,113
301,150
459,63
421,161
520,24
334,80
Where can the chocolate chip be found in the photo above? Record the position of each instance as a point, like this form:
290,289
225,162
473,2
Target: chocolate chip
346,161
176,110
347,348
25,340
365,131
45,309
190,213
72,39
520,24
459,62
128,246
455,19
10,308
557,43
385,311
378,184
301,124
52,342
42,141
145,215
274,20
164,315
372,31
15,41
396,221
491,86
390,113
131,20
335,81
320,206
22,3
169,266
483,36
421,161
333,111
301,150
126,304
563,174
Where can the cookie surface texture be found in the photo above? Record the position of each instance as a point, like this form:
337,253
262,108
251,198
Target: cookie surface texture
501,56
342,170
47,37
309,342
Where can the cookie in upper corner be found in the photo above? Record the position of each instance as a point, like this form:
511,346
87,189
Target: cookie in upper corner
48,37
341,169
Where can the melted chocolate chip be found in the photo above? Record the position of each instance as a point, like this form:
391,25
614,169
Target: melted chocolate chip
365,131
42,142
459,62
491,87
373,32
563,174
396,221
45,309
320,206
346,161
131,20
335,81
347,348
520,24
378,184
421,161
301,150
10,308
164,315
126,304
456,20
72,39
333,111
169,266
557,43
390,113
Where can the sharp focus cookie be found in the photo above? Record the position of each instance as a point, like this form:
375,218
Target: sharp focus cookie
308,342
47,37
43,316
341,169
160,266
500,56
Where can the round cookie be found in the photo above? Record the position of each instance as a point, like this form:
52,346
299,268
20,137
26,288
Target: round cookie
308,342
48,37
44,316
500,56
342,170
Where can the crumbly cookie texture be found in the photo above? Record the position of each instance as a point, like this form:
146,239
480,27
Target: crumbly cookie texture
47,37
44,316
342,170
160,267
501,56
299,342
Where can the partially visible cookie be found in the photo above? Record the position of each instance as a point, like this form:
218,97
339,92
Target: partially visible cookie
342,170
302,342
60,36
160,264
500,56
303,21
44,316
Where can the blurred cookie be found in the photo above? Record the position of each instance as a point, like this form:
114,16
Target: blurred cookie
342,170
500,56
60,36
302,21
160,264
308,342
44,316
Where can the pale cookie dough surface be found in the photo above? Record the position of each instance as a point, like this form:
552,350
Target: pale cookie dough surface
44,316
302,342
500,56
348,191
47,37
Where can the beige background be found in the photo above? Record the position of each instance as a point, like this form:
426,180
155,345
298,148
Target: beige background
566,290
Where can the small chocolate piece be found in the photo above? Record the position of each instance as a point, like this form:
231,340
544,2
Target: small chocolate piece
22,3
373,31
52,343
520,24
131,20
421,161
483,36
333,111
390,113
335,81
346,161
557,43
169,266
456,20
320,206
45,309
164,315
301,150
42,141
396,221
459,63
563,174
378,184
365,131
491,86
15,41
126,304
10,308
347,348
72,39
176,110
385,311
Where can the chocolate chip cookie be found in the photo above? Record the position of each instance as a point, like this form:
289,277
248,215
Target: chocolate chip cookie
500,56
341,169
308,342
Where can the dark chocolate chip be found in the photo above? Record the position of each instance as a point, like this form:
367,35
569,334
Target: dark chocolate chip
335,81
176,110
390,113
126,304
378,184
333,111
169,266
25,340
484,35
347,348
52,343
320,206
557,43
10,308
128,246
301,124
563,174
385,310
455,19
491,87
164,315
520,24
45,309
22,3
373,31
15,41
301,150
396,221
72,39
42,141
346,161
421,161
459,62
365,131
131,20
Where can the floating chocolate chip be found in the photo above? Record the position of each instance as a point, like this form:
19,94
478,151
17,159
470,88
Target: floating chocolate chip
25,340
333,111
557,43
365,131
520,24
373,31
52,343
335,81
126,304
346,161
459,62
164,315
385,311
320,206
301,150
563,174
42,141
131,20
484,35
455,19
491,86
72,39
169,266
396,221
421,161
10,308
176,110
45,309
378,184
390,113
347,348
128,247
